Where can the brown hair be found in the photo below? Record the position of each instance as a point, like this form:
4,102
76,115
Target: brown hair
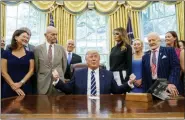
26,29
124,37
174,34
14,41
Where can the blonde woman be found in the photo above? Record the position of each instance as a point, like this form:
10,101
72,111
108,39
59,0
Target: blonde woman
137,65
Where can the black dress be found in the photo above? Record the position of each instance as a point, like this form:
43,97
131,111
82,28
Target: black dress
121,60
17,68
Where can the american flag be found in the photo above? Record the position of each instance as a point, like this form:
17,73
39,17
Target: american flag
129,30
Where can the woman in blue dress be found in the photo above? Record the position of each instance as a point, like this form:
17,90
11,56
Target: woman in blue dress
137,65
17,67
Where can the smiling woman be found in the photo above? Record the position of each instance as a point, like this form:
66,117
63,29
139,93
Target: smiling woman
17,67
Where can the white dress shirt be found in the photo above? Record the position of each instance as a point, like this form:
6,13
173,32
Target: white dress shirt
52,48
157,55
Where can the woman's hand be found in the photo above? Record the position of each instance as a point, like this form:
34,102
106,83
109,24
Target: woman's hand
20,92
16,86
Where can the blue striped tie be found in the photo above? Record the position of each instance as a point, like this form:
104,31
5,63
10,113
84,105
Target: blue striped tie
93,83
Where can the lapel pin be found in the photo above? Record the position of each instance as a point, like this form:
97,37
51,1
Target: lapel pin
102,75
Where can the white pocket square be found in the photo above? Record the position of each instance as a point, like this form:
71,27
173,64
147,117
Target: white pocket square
164,57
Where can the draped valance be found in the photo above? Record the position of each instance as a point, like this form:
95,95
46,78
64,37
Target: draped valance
80,6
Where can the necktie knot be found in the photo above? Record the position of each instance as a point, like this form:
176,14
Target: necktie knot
153,51
92,72
69,58
50,46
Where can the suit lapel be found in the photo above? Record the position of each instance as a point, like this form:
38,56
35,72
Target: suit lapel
102,80
159,58
44,52
55,54
148,54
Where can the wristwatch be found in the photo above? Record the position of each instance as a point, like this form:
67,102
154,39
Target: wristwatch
22,81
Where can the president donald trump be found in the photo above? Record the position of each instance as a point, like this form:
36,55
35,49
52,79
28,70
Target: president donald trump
92,80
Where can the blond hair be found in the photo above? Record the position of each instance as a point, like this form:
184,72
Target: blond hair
139,41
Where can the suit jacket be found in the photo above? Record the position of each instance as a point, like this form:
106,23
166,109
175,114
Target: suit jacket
43,70
168,67
75,59
78,83
31,47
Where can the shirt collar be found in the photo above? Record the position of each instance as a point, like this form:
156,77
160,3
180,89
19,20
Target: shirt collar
95,71
47,44
156,50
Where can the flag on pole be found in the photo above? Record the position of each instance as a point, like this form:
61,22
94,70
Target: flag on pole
51,23
129,30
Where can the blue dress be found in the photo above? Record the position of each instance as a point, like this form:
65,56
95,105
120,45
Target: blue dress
137,70
17,68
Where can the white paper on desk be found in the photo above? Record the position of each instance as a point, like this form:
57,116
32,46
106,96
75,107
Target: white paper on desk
117,78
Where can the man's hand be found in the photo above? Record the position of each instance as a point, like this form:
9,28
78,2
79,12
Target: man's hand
55,75
172,89
138,83
132,79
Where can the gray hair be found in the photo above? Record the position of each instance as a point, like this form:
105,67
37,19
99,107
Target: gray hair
153,34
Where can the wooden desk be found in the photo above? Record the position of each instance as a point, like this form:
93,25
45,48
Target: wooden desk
71,106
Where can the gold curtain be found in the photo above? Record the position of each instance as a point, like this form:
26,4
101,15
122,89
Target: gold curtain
65,24
120,19
138,5
117,19
44,6
75,6
134,16
3,19
180,19
106,6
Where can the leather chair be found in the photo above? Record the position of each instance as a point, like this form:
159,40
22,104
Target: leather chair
82,65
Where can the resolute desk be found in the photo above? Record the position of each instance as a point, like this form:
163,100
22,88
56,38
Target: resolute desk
81,107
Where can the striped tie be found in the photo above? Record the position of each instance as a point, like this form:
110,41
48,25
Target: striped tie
93,83
154,66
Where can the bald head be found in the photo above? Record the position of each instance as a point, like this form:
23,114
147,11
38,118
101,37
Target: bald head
153,40
70,45
51,34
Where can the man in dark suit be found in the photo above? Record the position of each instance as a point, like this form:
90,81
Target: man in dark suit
28,47
72,58
160,62
92,80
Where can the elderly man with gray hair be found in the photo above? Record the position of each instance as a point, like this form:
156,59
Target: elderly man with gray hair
92,80
28,46
160,62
